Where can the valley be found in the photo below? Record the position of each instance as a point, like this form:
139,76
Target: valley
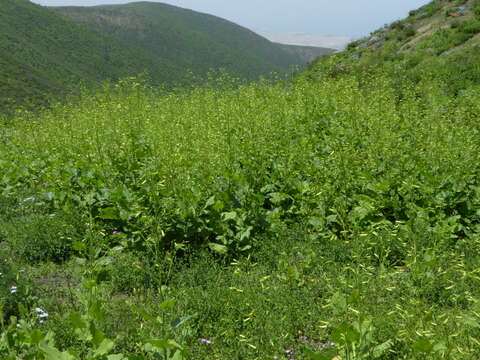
333,214
47,52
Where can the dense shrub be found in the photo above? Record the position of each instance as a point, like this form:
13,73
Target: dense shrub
34,238
13,289
470,27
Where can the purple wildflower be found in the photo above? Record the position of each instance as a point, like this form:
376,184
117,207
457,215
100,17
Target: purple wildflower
289,352
205,341
116,232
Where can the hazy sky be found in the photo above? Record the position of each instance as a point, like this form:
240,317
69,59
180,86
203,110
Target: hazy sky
352,18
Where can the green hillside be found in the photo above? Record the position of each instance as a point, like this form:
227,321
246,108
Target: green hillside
335,216
44,54
193,40
440,40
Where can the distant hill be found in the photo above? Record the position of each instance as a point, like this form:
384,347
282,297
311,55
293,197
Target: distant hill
187,38
43,52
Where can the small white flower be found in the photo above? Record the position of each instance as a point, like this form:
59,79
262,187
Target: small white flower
41,314
1,274
31,198
13,290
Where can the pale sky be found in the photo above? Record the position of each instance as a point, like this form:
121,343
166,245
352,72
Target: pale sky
341,18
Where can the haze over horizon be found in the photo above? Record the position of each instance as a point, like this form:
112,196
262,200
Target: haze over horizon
307,22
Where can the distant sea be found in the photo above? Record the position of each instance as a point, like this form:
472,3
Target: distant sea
333,42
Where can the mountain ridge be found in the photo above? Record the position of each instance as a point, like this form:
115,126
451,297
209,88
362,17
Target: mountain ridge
46,54
157,26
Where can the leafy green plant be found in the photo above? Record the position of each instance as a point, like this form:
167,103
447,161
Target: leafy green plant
23,338
351,340
14,290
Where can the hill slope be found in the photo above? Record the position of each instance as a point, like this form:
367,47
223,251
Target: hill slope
194,40
440,41
44,52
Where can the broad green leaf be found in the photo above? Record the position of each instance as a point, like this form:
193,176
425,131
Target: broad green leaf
232,215
98,337
178,355
316,222
49,196
422,346
180,321
220,249
116,357
345,333
331,219
79,246
440,347
35,337
245,234
167,304
354,297
359,213
149,347
245,248
293,273
338,304
103,261
145,315
381,349
104,348
316,356
80,261
210,201
76,320
109,213
218,206
52,353
277,197
161,344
